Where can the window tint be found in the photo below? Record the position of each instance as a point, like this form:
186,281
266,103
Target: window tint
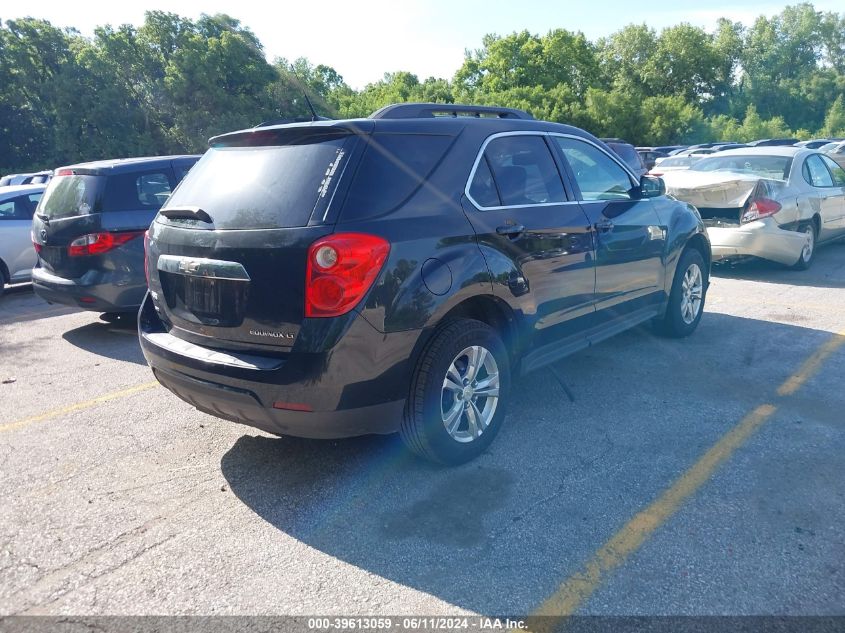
393,167
136,191
19,208
836,171
483,189
599,177
524,171
815,173
264,186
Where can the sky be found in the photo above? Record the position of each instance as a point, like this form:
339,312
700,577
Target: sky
363,39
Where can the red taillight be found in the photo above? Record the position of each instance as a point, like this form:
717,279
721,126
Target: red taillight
99,243
64,172
35,244
760,208
146,256
341,269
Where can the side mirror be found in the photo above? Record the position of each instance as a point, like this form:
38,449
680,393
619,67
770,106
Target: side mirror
652,187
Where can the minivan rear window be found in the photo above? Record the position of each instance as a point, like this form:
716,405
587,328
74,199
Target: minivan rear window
264,186
71,196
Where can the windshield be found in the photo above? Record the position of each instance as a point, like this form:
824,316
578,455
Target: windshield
70,196
776,167
262,187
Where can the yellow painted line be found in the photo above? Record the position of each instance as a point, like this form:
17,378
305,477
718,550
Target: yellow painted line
79,406
811,365
578,588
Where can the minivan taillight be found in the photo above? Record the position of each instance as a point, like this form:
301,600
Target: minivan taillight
760,208
99,243
146,256
341,269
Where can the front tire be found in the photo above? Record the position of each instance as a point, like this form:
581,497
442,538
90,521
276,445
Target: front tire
686,301
808,253
458,393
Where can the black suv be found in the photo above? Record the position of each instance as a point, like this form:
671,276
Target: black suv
393,273
88,227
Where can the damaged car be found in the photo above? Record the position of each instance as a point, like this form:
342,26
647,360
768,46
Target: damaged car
775,203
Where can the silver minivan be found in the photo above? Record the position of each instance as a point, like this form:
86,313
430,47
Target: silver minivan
17,255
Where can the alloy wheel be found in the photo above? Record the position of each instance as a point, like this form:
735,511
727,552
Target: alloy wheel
470,394
692,293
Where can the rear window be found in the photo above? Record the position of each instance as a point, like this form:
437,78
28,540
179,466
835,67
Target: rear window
628,154
264,186
70,196
393,167
776,167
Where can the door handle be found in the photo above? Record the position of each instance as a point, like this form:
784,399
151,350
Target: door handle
603,225
511,230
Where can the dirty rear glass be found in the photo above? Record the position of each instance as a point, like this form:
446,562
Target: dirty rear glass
264,186
71,196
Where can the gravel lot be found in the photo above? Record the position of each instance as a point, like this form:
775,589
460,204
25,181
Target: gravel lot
138,504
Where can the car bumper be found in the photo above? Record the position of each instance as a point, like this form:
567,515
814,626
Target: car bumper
95,290
762,238
353,389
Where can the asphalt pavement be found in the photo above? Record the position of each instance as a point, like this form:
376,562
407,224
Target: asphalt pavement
640,497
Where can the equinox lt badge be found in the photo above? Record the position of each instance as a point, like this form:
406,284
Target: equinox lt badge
271,334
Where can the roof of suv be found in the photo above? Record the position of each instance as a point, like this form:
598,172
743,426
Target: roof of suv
452,125
122,165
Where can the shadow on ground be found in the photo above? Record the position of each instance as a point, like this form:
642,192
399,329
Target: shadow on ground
497,535
118,340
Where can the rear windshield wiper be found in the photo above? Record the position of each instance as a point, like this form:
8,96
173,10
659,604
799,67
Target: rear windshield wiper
186,213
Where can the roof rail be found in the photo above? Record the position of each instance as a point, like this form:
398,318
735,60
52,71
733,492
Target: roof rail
430,110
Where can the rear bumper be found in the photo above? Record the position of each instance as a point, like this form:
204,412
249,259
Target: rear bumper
95,290
762,238
356,388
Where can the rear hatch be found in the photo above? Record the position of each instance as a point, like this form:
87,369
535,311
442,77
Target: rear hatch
227,253
722,198
87,213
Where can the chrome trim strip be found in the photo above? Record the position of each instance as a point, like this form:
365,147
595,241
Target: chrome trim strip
202,267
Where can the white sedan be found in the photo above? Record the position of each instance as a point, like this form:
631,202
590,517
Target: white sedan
776,203
17,255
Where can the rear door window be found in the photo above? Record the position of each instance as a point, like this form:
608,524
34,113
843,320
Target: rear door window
19,208
524,171
815,172
836,171
483,189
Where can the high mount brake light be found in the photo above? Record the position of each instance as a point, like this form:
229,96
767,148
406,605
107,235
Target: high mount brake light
99,243
341,269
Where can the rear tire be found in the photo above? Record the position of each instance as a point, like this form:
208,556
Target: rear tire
458,395
808,254
686,301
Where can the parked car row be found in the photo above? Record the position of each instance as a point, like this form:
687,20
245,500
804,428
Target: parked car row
395,273
776,203
83,245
